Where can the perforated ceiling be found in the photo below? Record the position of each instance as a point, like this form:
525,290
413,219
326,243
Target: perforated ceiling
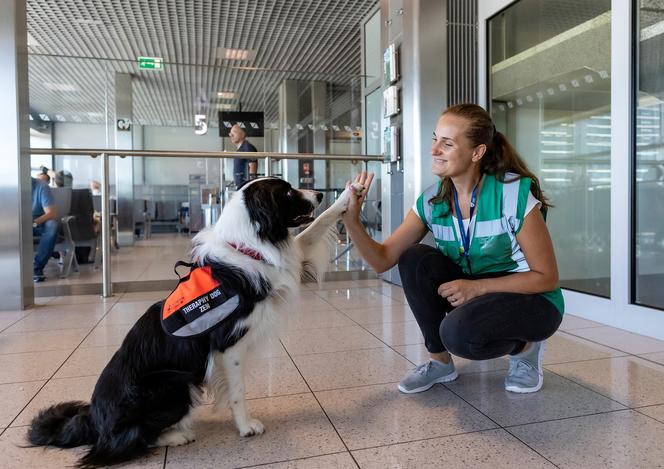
76,46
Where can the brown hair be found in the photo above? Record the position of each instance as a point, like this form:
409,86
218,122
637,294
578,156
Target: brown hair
500,157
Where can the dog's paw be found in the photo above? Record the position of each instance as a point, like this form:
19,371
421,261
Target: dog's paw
253,427
175,438
341,204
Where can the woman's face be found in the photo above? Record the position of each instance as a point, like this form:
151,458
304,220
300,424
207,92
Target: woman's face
451,151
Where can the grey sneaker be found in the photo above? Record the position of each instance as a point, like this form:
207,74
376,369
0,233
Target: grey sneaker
423,376
525,371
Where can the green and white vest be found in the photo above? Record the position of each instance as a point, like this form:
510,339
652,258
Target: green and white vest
493,228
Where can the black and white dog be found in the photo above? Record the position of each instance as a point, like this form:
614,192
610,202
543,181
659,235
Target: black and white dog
145,395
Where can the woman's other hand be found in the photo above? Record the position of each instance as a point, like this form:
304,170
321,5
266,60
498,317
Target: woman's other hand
459,292
357,197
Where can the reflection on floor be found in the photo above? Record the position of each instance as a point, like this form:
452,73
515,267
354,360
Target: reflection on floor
153,259
326,391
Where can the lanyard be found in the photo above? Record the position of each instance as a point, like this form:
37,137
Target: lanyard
464,249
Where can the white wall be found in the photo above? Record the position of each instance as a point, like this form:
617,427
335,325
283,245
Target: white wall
159,171
72,135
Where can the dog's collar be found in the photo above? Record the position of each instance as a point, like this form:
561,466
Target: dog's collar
247,251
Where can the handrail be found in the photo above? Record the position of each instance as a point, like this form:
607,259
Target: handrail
105,183
94,152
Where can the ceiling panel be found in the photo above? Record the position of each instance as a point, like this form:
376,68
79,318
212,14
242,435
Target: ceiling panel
77,46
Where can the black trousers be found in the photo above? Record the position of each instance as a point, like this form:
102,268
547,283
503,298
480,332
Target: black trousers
485,327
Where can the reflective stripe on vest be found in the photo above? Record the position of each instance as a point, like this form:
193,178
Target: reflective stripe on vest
500,211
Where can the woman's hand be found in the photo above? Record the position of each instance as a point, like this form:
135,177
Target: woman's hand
459,292
357,197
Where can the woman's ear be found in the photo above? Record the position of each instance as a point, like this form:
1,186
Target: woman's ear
479,152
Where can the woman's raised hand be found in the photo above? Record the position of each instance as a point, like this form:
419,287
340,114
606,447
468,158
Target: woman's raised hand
362,180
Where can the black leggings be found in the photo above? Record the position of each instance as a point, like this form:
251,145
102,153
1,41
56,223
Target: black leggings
485,327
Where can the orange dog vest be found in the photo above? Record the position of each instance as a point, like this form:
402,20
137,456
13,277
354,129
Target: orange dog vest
198,304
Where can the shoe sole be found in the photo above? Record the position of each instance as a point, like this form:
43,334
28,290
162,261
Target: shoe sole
444,379
540,381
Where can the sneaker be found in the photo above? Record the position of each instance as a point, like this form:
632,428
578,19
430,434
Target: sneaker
525,370
37,278
426,375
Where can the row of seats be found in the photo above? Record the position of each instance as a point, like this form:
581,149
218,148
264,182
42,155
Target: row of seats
75,208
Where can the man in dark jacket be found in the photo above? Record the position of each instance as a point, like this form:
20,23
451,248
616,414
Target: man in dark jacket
239,139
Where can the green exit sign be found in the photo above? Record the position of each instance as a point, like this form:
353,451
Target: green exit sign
150,63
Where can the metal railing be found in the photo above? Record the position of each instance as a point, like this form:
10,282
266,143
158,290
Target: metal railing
107,289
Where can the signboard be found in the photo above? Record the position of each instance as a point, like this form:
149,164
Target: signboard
151,63
251,122
123,125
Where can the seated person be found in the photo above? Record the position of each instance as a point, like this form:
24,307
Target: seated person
63,179
44,226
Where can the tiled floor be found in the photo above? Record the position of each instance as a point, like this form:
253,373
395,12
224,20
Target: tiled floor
326,391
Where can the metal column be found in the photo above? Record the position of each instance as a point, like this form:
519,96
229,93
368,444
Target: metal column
124,167
16,249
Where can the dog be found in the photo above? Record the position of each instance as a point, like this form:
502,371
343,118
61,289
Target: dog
145,395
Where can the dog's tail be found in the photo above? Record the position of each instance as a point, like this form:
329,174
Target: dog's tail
69,424
65,425
109,450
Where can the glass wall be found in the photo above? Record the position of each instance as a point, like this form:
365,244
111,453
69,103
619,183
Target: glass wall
549,91
649,167
159,203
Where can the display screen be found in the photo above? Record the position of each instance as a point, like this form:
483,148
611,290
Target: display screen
251,122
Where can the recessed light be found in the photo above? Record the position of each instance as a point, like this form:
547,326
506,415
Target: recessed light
226,94
235,54
60,87
84,21
226,107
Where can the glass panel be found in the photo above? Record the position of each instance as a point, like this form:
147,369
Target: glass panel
550,94
650,159
373,119
159,203
372,53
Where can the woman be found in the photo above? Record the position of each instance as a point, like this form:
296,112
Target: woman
489,288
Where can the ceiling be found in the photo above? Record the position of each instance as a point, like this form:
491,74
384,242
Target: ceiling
76,47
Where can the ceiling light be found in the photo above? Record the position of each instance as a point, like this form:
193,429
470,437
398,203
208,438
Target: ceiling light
44,117
226,107
60,87
32,42
235,54
84,21
226,94
60,117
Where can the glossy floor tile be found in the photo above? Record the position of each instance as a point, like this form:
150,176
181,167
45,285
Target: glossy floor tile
296,427
486,449
631,381
351,368
622,340
617,439
379,415
325,386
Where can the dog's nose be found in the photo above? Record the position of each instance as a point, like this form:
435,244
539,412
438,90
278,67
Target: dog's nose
319,196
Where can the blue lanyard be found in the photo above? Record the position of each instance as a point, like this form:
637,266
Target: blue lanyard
464,250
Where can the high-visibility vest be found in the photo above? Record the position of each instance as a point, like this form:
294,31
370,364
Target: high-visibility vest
493,228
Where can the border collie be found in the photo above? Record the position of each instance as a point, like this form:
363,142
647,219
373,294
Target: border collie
145,395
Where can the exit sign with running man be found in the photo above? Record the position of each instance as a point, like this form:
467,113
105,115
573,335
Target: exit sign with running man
151,63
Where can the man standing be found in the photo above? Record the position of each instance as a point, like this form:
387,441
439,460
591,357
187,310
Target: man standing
44,226
239,139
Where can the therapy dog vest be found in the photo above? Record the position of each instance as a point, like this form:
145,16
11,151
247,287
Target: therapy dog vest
198,304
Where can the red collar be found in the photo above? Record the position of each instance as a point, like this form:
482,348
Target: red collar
249,252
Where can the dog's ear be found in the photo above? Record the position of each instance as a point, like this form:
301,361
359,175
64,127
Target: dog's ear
266,211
